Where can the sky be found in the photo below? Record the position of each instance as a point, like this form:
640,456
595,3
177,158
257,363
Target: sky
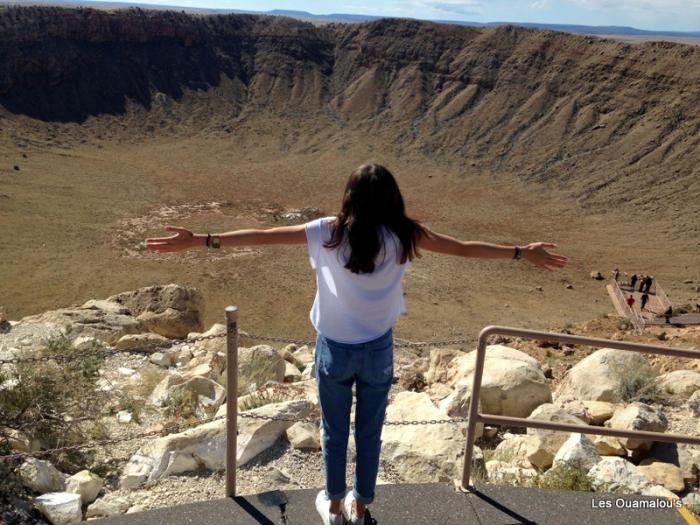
660,15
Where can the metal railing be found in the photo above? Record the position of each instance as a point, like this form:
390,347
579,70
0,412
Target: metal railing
636,318
663,298
476,417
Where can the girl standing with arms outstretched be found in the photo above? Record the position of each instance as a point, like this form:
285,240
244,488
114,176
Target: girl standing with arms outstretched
360,256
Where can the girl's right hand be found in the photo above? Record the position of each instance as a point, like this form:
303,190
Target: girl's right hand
182,240
538,254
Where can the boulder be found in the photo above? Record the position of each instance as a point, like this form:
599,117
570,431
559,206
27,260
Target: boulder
303,355
303,435
85,342
421,453
41,476
86,484
108,505
142,342
205,446
101,320
161,359
521,450
171,310
259,364
502,473
579,450
440,359
550,440
124,417
665,474
679,383
159,396
60,508
638,416
513,383
686,457
217,329
309,372
209,364
20,441
694,403
291,373
207,394
602,375
598,412
612,474
609,446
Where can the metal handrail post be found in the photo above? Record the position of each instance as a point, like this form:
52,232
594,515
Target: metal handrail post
231,398
476,417
473,410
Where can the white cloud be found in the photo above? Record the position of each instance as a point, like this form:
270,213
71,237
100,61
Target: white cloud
539,4
642,5
452,7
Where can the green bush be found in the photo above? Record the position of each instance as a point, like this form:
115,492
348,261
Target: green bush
49,395
639,385
570,475
259,399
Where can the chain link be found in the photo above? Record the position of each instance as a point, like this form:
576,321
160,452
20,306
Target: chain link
453,421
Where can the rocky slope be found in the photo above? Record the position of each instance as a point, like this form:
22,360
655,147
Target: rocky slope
597,117
160,398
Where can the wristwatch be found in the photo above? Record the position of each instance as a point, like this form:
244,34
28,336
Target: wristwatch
518,253
213,241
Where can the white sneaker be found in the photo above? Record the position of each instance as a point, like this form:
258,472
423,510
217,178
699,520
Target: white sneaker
323,506
349,511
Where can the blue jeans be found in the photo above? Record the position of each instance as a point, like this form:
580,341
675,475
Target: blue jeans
370,366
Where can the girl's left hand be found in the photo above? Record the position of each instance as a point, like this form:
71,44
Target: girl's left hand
537,254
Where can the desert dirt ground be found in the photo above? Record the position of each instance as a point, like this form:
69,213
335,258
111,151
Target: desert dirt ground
79,206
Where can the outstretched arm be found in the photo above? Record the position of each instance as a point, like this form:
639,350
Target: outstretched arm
536,252
184,239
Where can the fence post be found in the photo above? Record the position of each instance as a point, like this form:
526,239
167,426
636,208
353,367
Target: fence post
474,407
231,398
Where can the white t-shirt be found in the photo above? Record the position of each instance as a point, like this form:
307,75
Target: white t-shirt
351,307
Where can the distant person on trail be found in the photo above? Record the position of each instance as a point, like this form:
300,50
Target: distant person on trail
630,301
647,283
668,314
633,281
645,300
616,274
642,282
359,257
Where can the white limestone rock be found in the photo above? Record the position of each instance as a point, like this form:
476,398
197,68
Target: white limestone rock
86,484
638,416
41,476
513,383
421,453
107,506
601,375
205,445
578,449
303,435
679,383
550,440
60,508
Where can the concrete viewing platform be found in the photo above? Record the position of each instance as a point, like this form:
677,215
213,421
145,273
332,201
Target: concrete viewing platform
433,504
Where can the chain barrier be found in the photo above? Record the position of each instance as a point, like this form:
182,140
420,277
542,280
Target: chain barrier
172,429
169,429
170,343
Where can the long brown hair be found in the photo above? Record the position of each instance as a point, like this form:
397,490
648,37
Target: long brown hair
372,199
